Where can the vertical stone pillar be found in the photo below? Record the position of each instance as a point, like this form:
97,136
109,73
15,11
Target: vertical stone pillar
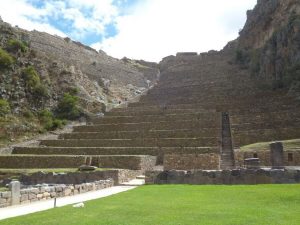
277,161
15,187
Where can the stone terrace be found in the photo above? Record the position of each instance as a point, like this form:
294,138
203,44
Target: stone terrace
193,118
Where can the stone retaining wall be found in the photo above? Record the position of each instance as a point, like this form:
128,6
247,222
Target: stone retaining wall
228,177
39,193
210,161
31,161
118,176
290,158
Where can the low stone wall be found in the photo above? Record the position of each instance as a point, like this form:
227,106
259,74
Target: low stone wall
229,177
290,158
39,193
118,176
209,161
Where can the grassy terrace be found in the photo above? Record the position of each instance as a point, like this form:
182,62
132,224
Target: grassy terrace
181,205
263,146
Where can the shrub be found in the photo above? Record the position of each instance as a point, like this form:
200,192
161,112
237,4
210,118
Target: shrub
5,59
48,120
73,90
16,45
28,114
68,108
31,77
4,107
40,90
57,123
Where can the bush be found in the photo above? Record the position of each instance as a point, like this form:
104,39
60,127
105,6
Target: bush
48,120
57,123
40,90
16,45
31,77
28,114
4,107
5,59
68,108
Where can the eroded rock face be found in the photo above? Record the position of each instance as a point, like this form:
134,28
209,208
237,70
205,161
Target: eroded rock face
269,43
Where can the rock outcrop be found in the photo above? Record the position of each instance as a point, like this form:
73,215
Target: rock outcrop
269,44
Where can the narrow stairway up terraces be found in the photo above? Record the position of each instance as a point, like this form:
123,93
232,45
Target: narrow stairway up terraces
178,124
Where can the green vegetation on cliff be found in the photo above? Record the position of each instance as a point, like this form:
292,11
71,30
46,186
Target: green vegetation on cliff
4,107
16,45
6,60
68,107
33,82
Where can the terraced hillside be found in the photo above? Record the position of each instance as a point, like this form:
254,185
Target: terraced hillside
203,109
199,111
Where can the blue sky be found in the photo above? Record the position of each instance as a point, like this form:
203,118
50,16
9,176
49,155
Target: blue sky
141,29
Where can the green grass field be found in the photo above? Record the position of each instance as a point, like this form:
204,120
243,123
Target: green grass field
180,205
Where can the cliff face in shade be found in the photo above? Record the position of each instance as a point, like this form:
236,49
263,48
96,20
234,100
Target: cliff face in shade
269,43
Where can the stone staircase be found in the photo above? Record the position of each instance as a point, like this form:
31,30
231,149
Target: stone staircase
227,154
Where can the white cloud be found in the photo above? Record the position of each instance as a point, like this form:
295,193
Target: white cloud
16,12
85,16
158,28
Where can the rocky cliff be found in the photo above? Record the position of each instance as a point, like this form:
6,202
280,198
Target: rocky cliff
269,43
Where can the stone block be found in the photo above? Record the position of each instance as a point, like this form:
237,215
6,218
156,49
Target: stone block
14,187
6,194
46,194
277,157
32,196
24,197
39,196
3,200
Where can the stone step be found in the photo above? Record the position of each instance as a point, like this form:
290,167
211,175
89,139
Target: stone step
131,162
147,142
169,125
154,118
157,111
205,133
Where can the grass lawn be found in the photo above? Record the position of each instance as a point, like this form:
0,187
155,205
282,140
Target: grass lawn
290,145
181,205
